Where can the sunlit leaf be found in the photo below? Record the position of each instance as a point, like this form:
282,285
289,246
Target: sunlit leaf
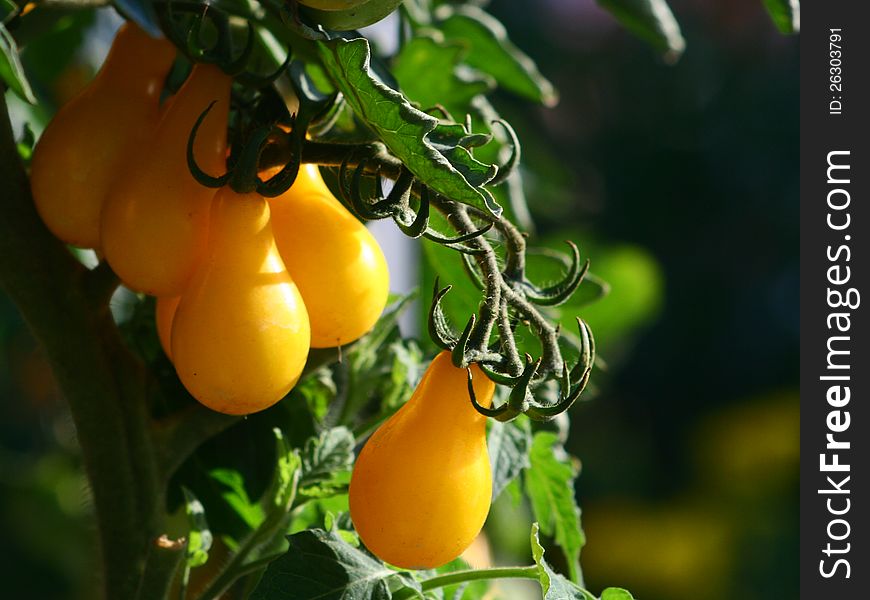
549,484
235,494
404,129
199,538
11,71
553,585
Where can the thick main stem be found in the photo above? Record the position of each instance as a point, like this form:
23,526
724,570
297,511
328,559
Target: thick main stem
103,383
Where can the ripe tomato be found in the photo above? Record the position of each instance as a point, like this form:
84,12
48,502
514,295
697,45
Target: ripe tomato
154,225
421,487
91,138
337,264
240,336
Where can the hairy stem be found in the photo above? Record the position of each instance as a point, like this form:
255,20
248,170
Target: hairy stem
102,381
458,577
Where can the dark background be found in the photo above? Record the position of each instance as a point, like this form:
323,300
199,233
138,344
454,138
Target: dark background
681,183
684,179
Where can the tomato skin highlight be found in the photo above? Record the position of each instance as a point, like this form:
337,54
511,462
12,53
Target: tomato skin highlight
240,336
421,487
90,138
336,262
154,224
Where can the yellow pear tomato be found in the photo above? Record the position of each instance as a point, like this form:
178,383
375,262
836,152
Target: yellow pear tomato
337,264
240,335
154,226
90,139
421,487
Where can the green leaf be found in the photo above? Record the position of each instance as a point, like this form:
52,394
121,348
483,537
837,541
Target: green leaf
288,467
320,565
490,51
616,594
549,484
650,20
236,496
508,445
11,70
448,169
326,456
553,585
786,14
199,539
319,392
446,83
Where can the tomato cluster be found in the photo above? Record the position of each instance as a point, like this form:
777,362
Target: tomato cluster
245,285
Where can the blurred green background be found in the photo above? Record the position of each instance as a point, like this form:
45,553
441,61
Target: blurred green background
680,183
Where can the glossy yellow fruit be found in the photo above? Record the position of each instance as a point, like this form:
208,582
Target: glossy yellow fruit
421,487
154,225
240,336
337,264
166,307
91,138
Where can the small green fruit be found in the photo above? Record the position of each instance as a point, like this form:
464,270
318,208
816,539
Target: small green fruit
362,15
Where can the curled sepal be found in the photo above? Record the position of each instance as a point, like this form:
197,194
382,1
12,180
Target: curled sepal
560,292
494,413
439,329
583,369
352,193
259,82
458,354
421,221
201,176
498,376
459,239
281,181
312,103
507,169
520,397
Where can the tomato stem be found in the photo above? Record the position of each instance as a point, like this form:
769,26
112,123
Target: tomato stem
457,577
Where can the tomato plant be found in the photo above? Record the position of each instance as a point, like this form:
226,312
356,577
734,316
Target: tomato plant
260,427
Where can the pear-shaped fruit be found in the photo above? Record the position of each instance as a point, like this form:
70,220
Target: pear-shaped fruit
421,487
154,225
240,336
93,137
337,264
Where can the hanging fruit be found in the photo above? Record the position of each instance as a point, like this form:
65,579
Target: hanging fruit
421,487
240,335
93,137
155,222
337,264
